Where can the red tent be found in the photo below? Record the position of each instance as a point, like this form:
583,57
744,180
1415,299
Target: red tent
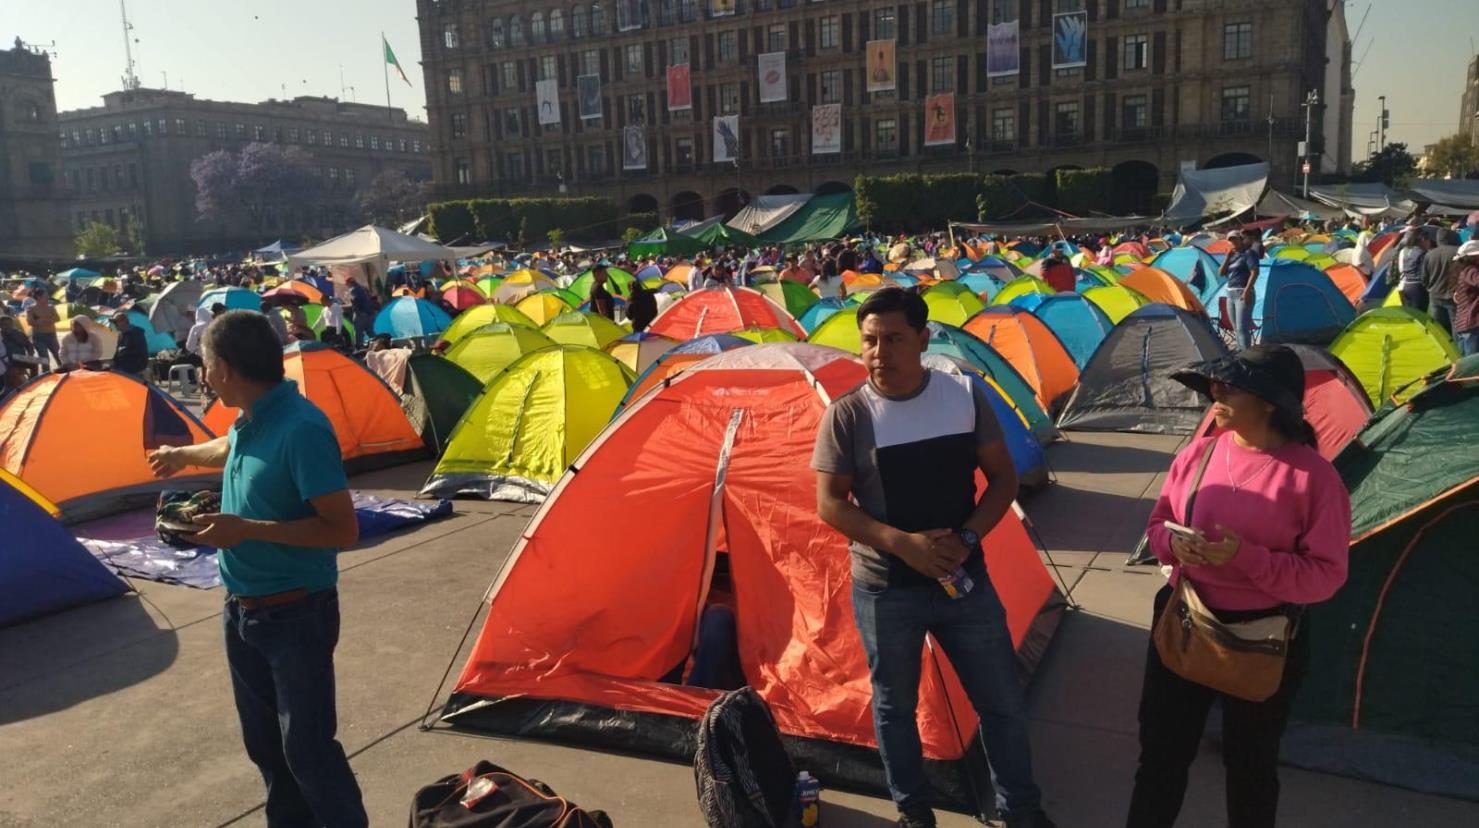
578,637
721,310
1334,401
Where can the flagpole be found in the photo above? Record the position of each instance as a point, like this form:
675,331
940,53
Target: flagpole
385,69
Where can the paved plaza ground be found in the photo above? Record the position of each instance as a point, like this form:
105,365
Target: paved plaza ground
120,713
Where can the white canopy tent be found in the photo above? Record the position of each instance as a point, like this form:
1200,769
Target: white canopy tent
370,250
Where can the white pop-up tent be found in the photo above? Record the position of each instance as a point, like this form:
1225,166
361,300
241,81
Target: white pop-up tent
370,250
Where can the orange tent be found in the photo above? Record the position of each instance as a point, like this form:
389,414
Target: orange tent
1350,281
82,440
1159,286
716,461
372,430
1031,347
720,310
1220,247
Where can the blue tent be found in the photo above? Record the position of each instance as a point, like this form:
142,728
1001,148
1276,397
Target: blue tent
1028,457
981,281
819,311
1085,279
951,341
78,273
1296,303
1029,301
411,318
1079,323
43,568
234,298
157,341
1377,289
1193,266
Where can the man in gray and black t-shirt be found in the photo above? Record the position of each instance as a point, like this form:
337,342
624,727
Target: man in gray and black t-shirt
896,460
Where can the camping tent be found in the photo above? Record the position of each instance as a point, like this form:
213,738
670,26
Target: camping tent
583,328
473,318
43,568
410,318
173,311
639,350
721,310
1192,265
718,234
1028,457
1334,402
952,306
542,306
1127,385
1079,324
530,422
366,414
1389,349
1390,692
1032,349
679,358
491,348
716,461
1117,301
818,313
795,297
665,241
82,440
1160,286
436,394
1295,303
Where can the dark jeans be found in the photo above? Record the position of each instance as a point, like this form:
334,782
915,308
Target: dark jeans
48,349
973,633
1414,296
1468,342
1173,712
282,673
1442,311
716,662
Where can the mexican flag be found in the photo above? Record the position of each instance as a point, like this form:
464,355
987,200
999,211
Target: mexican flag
390,59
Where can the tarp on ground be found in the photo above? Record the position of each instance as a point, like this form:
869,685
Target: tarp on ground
1374,200
766,211
821,218
1202,193
1275,203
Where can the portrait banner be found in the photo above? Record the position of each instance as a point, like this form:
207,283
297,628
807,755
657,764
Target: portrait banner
772,76
1070,40
721,8
633,149
680,92
939,119
882,68
726,138
826,129
547,101
1003,50
588,96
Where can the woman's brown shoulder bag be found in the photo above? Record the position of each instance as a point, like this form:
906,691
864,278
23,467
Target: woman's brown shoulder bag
1245,659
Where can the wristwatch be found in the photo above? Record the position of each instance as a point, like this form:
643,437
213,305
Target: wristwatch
968,537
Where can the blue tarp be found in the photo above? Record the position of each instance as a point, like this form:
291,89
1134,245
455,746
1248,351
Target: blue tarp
129,546
43,568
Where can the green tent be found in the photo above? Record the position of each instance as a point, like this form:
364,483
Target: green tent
719,234
618,282
437,393
1392,689
665,242
822,217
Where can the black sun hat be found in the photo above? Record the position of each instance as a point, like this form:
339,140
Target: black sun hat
1273,373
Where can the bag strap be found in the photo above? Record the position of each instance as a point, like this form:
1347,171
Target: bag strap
1196,480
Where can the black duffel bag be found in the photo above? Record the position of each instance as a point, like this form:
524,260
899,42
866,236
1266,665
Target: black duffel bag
487,796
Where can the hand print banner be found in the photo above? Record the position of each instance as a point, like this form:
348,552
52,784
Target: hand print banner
1070,40
726,139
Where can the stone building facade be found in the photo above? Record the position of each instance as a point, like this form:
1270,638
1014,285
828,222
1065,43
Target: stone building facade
129,160
1164,84
33,208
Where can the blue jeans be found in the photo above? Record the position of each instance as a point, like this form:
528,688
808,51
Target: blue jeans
716,663
1242,315
1414,296
1442,311
282,674
1468,342
973,633
48,348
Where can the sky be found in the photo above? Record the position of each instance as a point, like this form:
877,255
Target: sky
1415,52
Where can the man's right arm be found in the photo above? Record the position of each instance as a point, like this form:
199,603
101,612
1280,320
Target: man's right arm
208,455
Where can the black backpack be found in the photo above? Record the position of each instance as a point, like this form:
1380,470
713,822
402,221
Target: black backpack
511,802
744,777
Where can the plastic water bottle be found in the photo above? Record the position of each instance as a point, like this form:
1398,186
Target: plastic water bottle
809,794
958,584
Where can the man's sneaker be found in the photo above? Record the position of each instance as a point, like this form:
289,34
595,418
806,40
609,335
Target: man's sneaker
917,819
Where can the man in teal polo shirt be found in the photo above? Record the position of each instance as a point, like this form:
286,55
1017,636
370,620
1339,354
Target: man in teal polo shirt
285,513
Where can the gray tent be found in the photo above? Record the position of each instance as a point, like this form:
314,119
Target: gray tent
1126,385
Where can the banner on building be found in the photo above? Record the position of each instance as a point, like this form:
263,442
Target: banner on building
726,138
628,15
882,68
680,92
939,119
547,101
633,149
826,129
721,8
1070,40
772,76
1003,50
588,95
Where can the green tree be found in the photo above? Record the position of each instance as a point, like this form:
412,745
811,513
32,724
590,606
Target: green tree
97,240
631,234
1454,156
556,238
1390,166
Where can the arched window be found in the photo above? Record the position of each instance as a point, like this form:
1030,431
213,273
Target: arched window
495,35
556,25
598,19
580,21
515,31
667,12
536,27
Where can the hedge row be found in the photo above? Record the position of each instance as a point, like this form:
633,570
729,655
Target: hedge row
526,220
917,202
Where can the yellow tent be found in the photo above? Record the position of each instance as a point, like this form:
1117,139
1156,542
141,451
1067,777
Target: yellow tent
493,347
479,315
583,328
1389,349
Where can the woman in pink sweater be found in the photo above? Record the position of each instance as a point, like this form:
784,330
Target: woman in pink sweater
1274,524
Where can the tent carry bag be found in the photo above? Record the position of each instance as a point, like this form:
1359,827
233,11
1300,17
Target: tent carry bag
1244,659
488,796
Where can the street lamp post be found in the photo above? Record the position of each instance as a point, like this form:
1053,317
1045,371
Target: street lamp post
1311,101
1381,124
